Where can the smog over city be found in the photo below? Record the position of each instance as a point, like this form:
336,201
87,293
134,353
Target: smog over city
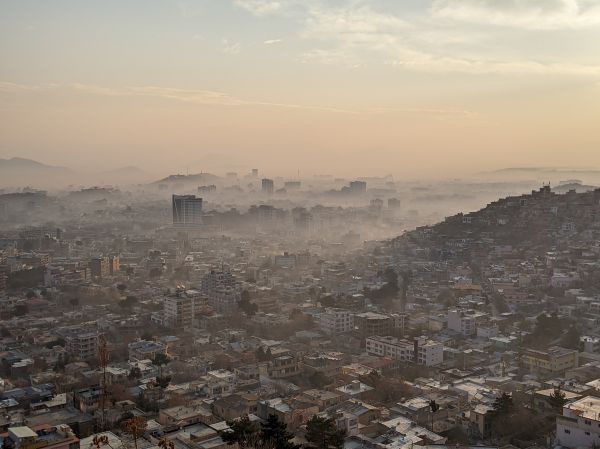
299,224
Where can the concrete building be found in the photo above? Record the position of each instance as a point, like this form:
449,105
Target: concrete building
144,350
336,321
579,424
187,210
267,186
464,321
553,361
369,323
81,342
420,351
50,437
590,344
178,311
358,187
100,267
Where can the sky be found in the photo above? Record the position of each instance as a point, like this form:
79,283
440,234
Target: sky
413,88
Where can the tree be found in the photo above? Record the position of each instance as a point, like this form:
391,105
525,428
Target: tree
500,415
557,398
135,427
21,310
161,359
134,373
572,338
241,431
322,433
318,380
249,308
433,407
503,404
121,287
128,302
74,301
275,432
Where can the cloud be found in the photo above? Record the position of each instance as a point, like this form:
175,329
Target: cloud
215,98
527,14
8,87
231,48
354,33
352,24
200,97
336,56
261,7
272,41
419,61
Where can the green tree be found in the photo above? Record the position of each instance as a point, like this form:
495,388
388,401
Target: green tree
322,433
557,398
161,359
275,432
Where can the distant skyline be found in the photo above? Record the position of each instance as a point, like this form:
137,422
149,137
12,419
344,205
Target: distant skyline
418,88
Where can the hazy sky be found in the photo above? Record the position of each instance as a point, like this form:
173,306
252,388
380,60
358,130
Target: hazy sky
408,87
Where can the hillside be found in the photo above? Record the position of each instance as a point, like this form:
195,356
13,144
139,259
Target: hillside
542,218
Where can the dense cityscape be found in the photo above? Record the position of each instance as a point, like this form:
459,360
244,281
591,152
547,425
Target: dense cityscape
300,224
143,318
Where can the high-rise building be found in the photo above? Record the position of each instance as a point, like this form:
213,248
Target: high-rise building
187,210
358,187
179,311
255,172
267,185
100,267
2,284
292,185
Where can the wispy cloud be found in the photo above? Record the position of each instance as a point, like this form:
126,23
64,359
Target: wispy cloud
273,41
200,97
528,14
432,63
231,48
215,98
261,7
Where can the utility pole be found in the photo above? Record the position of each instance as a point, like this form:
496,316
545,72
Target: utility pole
103,356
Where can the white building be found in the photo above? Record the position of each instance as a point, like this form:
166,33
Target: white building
579,425
220,382
428,352
178,311
336,321
590,344
464,321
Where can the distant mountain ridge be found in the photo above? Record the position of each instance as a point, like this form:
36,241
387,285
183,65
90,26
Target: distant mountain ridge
193,178
22,172
21,162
